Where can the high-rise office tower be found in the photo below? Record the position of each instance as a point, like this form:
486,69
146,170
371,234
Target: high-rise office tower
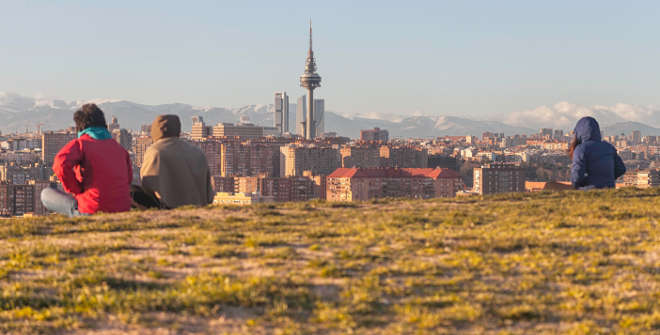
301,111
281,112
310,80
319,117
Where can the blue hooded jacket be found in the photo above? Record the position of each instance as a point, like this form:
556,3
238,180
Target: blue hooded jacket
595,163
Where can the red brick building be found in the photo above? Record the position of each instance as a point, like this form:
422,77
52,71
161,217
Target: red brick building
354,184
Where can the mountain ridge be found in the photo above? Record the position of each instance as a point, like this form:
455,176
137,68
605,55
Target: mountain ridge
19,112
627,128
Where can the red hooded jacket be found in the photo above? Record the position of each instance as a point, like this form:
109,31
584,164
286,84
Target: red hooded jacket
97,172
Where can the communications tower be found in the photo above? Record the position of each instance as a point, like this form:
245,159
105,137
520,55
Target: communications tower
310,80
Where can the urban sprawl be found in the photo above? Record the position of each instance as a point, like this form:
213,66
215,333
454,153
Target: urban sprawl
251,164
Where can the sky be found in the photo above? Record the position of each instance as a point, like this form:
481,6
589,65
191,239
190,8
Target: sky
479,59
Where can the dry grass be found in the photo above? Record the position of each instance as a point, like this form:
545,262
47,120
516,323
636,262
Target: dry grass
574,262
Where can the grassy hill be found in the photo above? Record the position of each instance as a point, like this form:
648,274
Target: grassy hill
573,262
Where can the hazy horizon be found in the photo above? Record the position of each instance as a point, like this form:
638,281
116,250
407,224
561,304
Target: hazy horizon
20,112
482,61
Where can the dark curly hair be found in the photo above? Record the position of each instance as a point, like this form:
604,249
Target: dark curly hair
89,115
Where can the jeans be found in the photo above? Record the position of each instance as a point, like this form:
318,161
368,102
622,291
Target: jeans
60,202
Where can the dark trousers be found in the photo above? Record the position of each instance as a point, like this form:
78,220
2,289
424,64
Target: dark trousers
143,199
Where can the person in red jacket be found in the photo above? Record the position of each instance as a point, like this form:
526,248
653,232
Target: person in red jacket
95,171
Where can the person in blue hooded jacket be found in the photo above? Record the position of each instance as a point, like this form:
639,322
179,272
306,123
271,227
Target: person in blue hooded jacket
595,162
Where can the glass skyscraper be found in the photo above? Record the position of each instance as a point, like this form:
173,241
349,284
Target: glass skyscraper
281,112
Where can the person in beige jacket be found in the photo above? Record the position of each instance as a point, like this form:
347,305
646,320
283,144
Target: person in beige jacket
173,170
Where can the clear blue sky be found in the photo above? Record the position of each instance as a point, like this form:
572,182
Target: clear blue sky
472,58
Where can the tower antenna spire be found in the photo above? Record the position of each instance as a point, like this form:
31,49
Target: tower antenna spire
310,34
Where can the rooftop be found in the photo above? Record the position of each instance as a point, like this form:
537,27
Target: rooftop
388,172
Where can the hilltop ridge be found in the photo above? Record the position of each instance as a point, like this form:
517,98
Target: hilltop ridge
571,262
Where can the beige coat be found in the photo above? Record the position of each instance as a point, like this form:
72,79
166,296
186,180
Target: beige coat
178,172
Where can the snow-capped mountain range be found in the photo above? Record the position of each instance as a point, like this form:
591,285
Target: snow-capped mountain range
20,112
563,115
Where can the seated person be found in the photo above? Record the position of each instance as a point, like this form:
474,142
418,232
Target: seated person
95,171
595,162
173,170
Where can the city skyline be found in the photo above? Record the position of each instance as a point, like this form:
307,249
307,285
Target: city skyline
20,113
463,167
249,163
478,60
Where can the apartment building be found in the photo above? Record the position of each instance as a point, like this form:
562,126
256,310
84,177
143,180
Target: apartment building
363,156
359,184
249,159
244,130
375,134
320,160
52,143
498,178
404,156
16,200
199,129
212,149
642,178
282,189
